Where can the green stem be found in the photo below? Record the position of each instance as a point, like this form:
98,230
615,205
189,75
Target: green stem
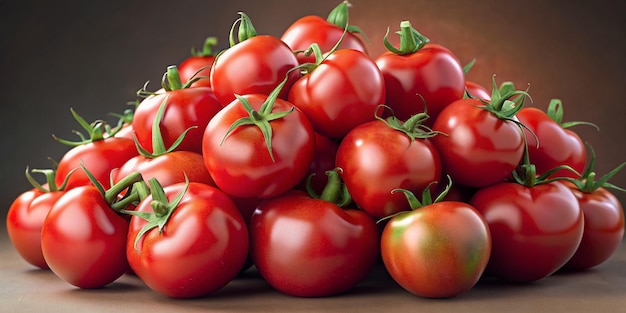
173,79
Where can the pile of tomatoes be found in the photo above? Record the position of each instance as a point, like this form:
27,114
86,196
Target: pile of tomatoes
311,160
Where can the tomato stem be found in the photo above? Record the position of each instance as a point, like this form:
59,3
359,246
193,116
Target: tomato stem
246,29
207,48
555,112
411,40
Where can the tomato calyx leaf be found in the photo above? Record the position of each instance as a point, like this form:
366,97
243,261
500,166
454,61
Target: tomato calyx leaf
245,31
111,196
416,203
335,190
588,183
50,175
413,127
96,131
555,112
411,40
207,48
339,16
162,209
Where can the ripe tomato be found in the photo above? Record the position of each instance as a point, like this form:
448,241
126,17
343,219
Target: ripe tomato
476,90
256,64
340,93
535,230
309,247
379,156
439,250
200,246
258,160
199,64
420,74
557,145
324,32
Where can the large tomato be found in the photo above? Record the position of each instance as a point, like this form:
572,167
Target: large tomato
420,75
258,146
382,155
326,33
311,247
340,93
256,64
200,245
535,230
437,250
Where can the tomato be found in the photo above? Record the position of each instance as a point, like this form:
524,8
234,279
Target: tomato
200,247
309,247
184,108
340,93
476,90
535,230
479,147
379,156
557,145
199,64
257,64
437,250
324,32
262,157
323,161
420,74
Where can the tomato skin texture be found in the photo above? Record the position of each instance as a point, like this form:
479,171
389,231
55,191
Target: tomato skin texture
535,230
604,228
83,240
202,247
314,29
308,247
200,66
433,72
479,149
24,221
255,65
376,159
557,146
99,157
189,107
476,90
241,165
343,92
437,251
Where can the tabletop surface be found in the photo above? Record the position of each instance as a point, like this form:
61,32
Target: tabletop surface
23,288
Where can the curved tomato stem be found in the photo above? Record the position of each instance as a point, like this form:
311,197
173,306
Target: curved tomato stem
207,48
50,175
411,40
245,31
335,190
339,17
171,79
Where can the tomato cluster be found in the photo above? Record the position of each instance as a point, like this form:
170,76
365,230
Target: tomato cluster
311,160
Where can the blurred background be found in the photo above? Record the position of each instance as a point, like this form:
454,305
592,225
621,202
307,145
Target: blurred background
94,55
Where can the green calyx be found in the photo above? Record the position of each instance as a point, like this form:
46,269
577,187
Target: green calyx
158,145
162,209
555,112
50,175
335,190
111,196
411,40
245,31
413,127
506,101
339,16
588,181
207,48
98,130
169,82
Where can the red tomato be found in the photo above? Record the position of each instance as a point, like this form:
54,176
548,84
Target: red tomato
437,251
83,239
424,74
476,90
478,148
199,64
557,145
342,92
311,247
324,32
535,230
202,246
376,159
184,108
241,161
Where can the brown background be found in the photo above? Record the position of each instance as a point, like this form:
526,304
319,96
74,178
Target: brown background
93,56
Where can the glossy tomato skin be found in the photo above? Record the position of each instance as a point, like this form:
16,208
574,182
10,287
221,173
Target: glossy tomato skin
437,251
255,65
83,240
312,248
478,148
604,228
557,146
99,157
433,72
476,90
202,247
314,29
343,92
188,107
535,230
241,165
200,66
376,159
24,221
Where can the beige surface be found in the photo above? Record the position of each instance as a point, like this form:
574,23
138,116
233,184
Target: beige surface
26,289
